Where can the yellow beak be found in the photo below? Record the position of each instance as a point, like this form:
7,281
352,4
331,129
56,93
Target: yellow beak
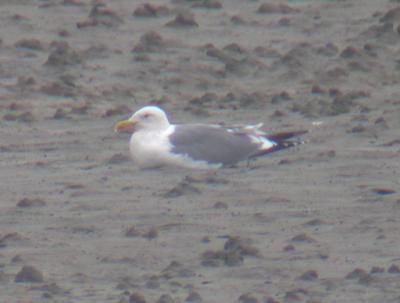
125,126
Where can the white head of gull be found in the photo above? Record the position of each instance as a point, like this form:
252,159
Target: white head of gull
149,118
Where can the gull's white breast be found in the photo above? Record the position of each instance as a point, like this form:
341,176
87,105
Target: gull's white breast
152,148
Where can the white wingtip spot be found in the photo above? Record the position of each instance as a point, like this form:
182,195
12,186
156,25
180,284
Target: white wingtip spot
265,143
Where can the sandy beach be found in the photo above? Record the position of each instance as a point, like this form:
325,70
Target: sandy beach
79,222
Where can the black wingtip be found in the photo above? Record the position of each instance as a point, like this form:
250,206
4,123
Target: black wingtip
282,136
281,142
279,146
285,144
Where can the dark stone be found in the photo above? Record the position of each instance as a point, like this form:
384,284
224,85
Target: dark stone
29,274
32,44
136,298
350,52
247,298
194,297
310,275
209,4
100,15
303,238
383,191
150,10
27,202
63,55
356,274
394,269
183,19
150,42
181,189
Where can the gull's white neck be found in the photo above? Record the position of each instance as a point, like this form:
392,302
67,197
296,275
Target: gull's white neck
149,146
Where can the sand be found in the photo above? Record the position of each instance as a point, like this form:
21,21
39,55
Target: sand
79,222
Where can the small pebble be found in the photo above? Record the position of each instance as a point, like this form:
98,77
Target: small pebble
303,238
29,274
152,233
289,247
247,298
60,114
136,298
356,274
132,232
165,299
32,44
310,275
194,297
209,4
28,202
349,52
394,269
183,19
383,191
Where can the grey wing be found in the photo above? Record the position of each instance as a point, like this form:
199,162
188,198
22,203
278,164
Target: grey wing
213,144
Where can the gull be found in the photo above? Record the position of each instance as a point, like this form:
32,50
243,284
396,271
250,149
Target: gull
155,142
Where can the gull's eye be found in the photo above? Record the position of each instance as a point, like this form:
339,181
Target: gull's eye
145,116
